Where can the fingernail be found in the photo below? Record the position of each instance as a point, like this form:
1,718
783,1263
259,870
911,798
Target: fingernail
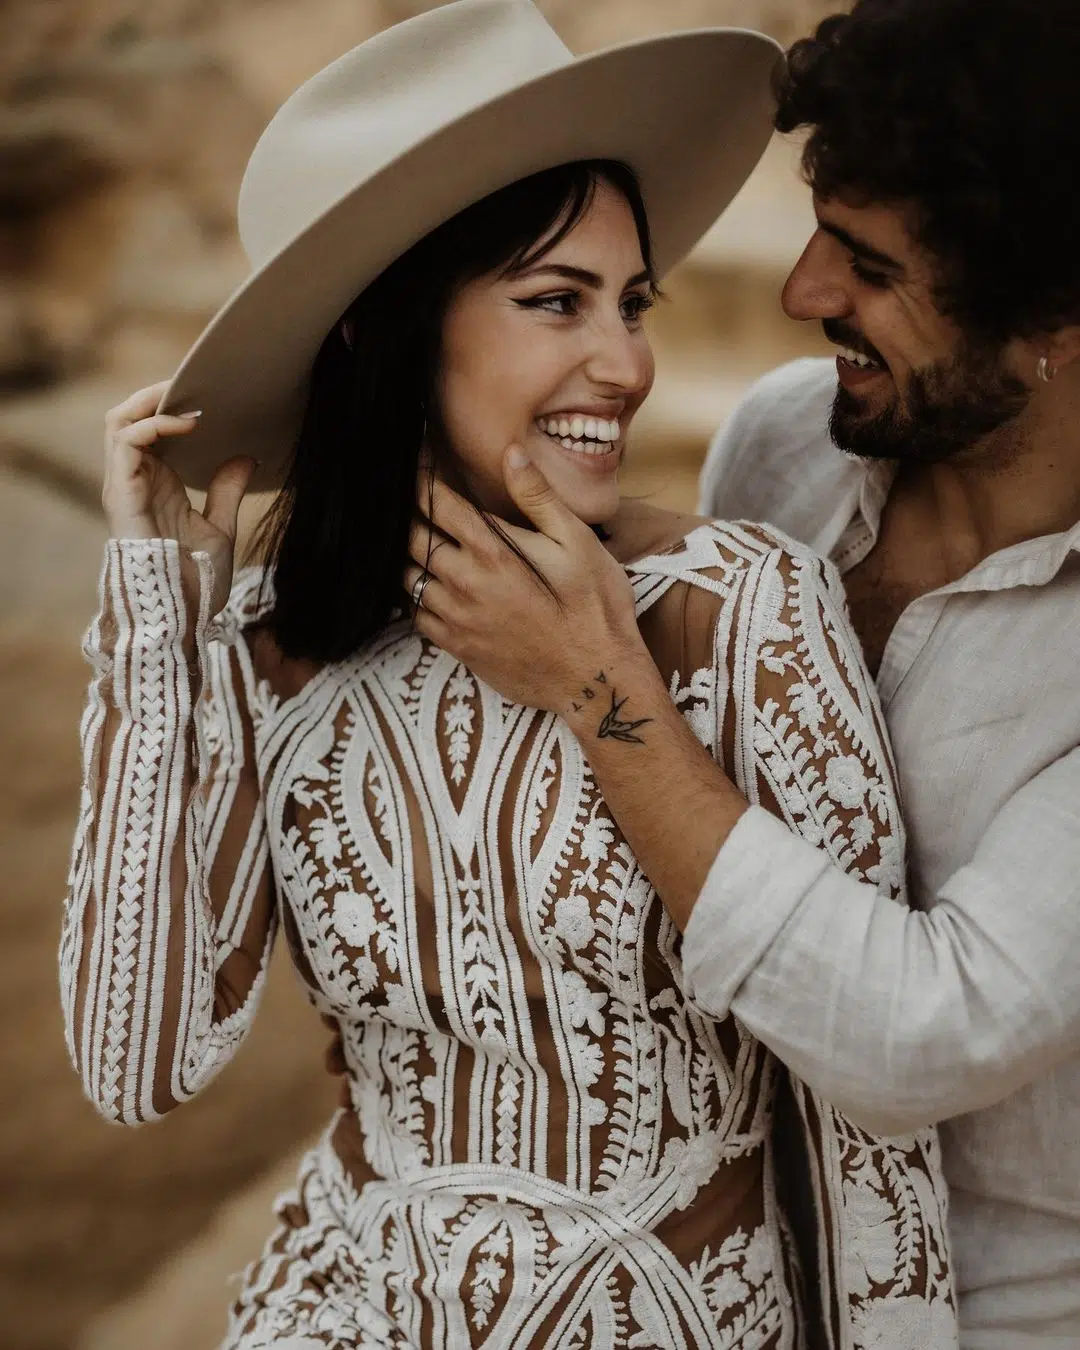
516,457
190,414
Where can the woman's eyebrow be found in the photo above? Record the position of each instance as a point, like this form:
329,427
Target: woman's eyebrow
580,274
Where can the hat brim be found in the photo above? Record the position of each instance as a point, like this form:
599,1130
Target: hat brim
690,112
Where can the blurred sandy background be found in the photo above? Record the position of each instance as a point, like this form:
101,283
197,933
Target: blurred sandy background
124,128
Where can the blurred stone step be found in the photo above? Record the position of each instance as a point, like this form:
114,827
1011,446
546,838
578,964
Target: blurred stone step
50,556
684,411
768,224
184,1305
727,292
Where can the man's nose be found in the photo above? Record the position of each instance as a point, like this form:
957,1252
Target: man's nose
816,288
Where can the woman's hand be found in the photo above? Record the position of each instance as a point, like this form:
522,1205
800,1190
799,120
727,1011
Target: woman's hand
535,645
145,499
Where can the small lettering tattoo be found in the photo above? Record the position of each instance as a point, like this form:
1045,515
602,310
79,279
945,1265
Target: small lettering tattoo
577,707
588,693
601,678
615,728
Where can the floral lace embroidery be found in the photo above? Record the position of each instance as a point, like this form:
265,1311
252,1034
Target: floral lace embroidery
535,1100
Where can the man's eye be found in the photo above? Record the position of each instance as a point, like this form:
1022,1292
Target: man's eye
878,280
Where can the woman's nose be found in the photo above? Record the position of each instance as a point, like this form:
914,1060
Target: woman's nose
620,358
816,288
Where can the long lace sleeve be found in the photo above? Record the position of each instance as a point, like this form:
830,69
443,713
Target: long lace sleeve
793,714
169,919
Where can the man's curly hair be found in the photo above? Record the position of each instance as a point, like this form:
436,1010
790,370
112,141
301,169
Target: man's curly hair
967,114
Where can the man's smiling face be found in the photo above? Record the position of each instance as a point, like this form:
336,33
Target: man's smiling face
913,385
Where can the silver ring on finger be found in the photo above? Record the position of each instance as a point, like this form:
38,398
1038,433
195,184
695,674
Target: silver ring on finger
419,587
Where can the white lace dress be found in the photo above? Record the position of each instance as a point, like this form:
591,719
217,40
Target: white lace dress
542,1143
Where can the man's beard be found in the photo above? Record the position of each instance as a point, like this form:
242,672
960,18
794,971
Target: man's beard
946,408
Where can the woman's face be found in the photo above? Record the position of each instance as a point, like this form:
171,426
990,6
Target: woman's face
555,358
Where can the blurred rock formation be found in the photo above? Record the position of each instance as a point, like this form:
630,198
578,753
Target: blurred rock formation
124,128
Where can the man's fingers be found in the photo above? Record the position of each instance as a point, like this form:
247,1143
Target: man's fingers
424,543
453,516
433,628
536,498
428,593
226,492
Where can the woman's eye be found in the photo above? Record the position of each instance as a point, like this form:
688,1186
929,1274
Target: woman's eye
565,303
635,306
878,280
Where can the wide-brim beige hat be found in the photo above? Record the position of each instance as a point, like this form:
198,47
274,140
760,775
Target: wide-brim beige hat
406,130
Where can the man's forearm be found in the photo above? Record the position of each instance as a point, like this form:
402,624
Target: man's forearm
670,798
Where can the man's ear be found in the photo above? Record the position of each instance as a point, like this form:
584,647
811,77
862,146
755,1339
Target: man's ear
1063,347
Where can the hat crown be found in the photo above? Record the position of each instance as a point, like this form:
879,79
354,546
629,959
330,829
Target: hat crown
377,101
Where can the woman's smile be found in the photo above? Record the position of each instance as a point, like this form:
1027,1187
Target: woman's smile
591,442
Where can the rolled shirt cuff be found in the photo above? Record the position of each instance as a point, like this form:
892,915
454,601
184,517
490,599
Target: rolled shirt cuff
756,883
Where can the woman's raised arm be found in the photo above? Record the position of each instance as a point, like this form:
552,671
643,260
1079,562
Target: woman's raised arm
169,918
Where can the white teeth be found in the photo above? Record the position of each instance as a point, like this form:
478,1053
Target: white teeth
855,358
586,435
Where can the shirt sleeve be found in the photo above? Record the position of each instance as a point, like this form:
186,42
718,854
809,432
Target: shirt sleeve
169,919
901,1018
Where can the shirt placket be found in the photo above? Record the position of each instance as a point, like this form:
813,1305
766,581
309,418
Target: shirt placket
907,640
1034,564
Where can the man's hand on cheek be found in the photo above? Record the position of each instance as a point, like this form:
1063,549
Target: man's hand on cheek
535,638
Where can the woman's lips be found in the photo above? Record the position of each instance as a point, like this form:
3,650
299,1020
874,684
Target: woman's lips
589,457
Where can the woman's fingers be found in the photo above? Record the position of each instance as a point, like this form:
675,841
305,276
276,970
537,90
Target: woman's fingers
142,403
141,496
226,492
143,433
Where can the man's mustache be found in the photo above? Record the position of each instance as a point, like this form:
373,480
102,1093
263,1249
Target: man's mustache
842,335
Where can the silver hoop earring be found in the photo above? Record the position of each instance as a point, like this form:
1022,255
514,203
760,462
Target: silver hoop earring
1045,370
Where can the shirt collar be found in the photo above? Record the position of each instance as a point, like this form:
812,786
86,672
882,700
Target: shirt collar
1033,562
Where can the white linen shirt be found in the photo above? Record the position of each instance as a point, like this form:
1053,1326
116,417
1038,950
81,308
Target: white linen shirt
967,1010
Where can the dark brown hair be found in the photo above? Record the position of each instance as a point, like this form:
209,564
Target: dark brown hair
966,112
